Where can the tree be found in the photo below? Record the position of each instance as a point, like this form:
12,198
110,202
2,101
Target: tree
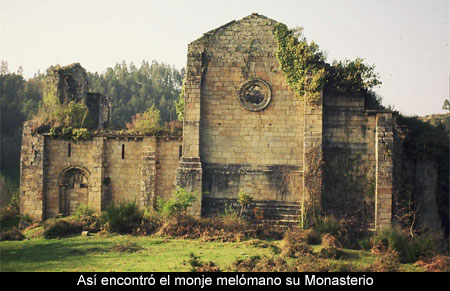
147,122
133,90
446,106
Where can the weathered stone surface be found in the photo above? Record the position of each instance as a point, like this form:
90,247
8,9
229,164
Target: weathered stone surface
273,148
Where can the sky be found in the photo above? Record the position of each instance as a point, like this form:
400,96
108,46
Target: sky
407,40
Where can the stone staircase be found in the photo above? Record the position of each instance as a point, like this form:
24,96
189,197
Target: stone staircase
263,213
276,214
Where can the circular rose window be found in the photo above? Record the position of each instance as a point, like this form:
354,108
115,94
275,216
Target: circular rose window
255,94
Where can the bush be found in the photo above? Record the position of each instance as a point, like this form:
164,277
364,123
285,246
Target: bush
146,123
151,222
409,249
12,234
87,218
331,248
178,205
55,228
388,261
199,266
438,263
123,218
295,243
244,200
9,198
261,264
326,225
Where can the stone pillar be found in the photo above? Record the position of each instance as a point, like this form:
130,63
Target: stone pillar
312,155
32,174
384,149
96,193
148,175
189,172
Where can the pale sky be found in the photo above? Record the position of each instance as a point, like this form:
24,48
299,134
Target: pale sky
407,40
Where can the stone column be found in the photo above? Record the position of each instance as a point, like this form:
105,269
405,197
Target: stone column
384,148
189,172
32,174
96,194
312,155
148,174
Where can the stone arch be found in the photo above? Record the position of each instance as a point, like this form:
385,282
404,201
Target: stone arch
73,189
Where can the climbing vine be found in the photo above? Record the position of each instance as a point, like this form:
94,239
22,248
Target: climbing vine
307,73
303,64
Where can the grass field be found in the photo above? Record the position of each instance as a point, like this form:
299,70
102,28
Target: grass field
118,253
126,253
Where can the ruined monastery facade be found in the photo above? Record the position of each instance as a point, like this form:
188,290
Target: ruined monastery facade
243,128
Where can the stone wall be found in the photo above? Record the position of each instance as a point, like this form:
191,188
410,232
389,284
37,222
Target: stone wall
59,175
32,175
260,152
364,138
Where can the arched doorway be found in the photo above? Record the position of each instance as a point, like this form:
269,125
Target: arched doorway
74,190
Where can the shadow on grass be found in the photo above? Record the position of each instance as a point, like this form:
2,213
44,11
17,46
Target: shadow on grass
35,255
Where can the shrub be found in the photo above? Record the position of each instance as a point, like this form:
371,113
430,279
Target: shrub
326,225
244,200
123,218
199,266
409,249
365,243
295,243
178,205
12,234
146,123
438,263
151,222
52,116
331,248
55,228
9,198
87,218
388,261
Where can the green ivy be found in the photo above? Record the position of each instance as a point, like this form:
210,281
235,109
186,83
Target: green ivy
307,73
303,64
70,133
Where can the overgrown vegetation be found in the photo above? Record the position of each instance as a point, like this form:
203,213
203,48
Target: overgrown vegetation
421,142
146,123
302,63
307,73
304,251
9,198
132,91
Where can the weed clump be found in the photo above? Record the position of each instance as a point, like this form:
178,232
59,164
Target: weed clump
13,234
199,266
56,228
126,247
295,243
388,261
438,263
123,218
409,249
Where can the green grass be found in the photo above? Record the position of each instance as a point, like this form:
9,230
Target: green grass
121,253
99,254
125,253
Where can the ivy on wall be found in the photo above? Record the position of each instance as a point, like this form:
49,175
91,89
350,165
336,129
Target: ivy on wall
303,64
307,73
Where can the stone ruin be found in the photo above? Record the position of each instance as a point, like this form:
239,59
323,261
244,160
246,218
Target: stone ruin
243,129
